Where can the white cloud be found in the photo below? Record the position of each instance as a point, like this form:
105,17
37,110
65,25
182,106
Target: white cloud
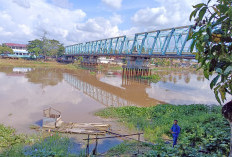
96,28
114,4
169,13
62,3
24,20
22,3
150,16
25,29
116,19
27,20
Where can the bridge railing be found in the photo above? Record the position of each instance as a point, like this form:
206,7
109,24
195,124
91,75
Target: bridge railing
172,41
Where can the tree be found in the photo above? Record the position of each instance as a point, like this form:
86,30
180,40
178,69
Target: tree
35,46
212,38
5,49
55,48
46,47
61,50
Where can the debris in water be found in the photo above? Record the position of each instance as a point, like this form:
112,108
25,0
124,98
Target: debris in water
52,121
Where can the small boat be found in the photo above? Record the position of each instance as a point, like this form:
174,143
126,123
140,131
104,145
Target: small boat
52,121
51,118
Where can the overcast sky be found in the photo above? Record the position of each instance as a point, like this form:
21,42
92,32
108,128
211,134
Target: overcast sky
74,21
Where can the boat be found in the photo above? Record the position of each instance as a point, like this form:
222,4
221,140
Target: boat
52,121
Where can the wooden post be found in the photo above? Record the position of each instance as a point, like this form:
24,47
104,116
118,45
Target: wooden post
87,147
96,145
139,141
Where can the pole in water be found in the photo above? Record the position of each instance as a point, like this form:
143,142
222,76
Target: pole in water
95,149
87,147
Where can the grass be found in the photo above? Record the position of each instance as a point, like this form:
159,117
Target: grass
153,78
45,144
92,73
35,64
115,67
8,137
52,64
129,148
202,127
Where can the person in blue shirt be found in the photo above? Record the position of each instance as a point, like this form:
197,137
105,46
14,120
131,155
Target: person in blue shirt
175,130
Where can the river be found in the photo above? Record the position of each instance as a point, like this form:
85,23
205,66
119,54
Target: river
25,92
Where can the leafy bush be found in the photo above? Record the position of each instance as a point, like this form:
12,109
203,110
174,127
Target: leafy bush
154,78
8,137
203,128
54,145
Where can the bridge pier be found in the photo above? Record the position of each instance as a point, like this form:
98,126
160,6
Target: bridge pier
89,61
136,67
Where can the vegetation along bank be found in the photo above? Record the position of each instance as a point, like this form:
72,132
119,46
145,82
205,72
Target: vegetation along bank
204,131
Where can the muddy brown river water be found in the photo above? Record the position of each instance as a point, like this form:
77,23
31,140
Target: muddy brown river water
25,92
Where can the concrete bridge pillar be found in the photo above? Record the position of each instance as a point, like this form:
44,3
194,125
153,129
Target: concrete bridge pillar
137,62
89,61
136,66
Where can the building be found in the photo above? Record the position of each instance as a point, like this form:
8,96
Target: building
104,60
20,50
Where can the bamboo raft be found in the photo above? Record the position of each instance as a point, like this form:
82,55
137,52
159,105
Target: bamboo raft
52,121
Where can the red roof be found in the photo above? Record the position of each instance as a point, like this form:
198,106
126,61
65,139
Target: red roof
15,45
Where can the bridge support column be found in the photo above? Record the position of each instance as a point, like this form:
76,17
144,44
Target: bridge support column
136,67
89,61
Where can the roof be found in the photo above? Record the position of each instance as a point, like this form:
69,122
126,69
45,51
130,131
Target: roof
15,45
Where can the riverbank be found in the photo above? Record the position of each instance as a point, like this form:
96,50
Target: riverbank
35,64
204,131
76,65
42,144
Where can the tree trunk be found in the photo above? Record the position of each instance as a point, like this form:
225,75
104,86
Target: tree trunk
230,139
227,113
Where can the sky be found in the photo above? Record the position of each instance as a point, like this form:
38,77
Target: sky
75,21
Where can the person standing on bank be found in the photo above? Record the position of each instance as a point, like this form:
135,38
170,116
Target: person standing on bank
175,130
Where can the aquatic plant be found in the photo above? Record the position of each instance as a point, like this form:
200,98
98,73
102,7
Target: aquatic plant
8,137
54,145
153,78
203,128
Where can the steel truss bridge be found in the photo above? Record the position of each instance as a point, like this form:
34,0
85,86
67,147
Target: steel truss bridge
166,43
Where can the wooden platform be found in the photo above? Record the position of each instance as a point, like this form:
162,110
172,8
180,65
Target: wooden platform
83,128
52,121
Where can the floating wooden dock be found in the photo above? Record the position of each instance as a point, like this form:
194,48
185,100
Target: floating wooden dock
52,121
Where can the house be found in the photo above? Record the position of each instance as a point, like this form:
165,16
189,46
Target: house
20,50
104,60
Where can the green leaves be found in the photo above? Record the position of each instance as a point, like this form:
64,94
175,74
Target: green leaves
213,43
4,49
228,70
214,81
202,128
193,14
202,13
46,47
222,8
199,5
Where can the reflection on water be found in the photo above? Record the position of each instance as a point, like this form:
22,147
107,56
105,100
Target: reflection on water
20,69
24,96
131,94
45,77
25,92
180,87
183,88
